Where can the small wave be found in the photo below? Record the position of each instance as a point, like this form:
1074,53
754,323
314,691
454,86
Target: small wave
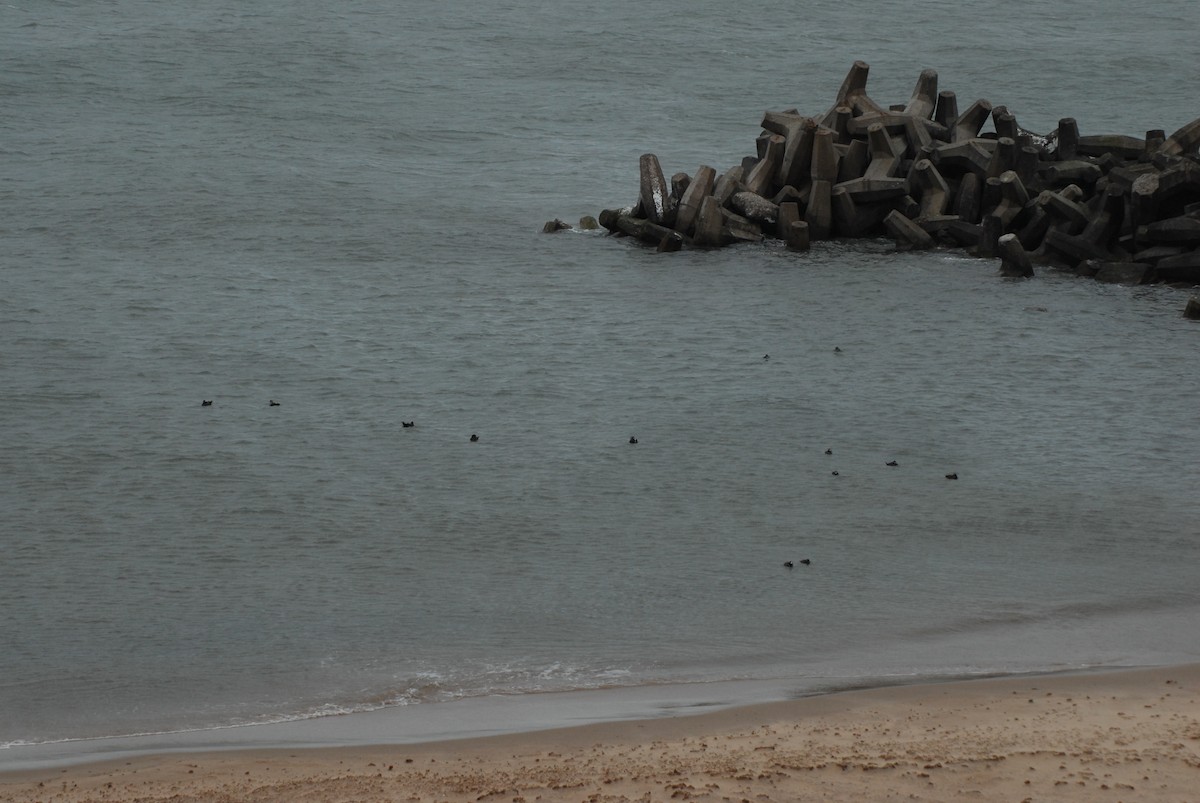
818,686
421,689
1066,612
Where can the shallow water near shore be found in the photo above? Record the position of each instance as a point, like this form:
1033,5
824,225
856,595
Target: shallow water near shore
339,209
488,716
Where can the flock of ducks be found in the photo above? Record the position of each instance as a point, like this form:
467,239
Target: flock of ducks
890,463
270,403
894,464
406,424
633,439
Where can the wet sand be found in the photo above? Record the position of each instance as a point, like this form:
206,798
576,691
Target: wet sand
1131,735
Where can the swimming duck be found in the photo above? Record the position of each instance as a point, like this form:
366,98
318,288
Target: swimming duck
474,437
632,439
892,463
206,402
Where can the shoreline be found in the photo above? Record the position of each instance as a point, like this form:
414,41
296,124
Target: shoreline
1123,733
487,715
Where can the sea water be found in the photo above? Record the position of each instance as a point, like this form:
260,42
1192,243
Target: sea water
337,207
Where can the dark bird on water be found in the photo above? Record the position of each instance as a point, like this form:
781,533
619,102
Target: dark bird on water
893,463
829,451
274,403
788,564
806,562
766,356
206,402
474,437
952,476
633,439
408,423
835,473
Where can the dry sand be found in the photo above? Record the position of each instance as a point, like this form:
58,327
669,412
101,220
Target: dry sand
1113,736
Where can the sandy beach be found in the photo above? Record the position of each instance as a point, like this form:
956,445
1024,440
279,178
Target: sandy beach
1131,735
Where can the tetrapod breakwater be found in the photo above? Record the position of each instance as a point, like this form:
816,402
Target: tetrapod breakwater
927,174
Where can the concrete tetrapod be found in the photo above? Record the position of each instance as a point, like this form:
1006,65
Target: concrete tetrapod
924,173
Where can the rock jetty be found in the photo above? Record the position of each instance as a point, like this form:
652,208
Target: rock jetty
926,174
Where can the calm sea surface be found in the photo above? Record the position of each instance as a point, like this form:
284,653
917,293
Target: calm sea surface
337,206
